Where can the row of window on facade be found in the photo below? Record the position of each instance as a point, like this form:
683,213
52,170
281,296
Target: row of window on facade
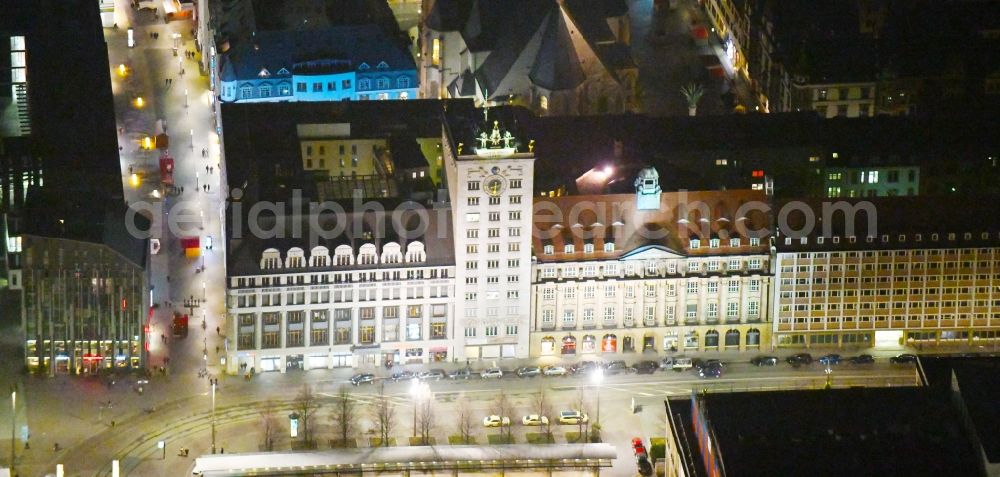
885,238
900,293
931,307
493,200
343,326
934,319
872,176
344,255
337,278
317,297
651,290
946,254
650,268
609,343
649,318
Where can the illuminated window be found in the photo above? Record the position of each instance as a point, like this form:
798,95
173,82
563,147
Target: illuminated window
544,103
436,52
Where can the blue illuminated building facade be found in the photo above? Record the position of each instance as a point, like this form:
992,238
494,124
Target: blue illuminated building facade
333,64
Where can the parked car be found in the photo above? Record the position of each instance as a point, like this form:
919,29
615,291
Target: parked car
583,367
713,371
433,375
699,364
363,378
617,367
667,363
862,359
829,359
572,417
534,420
529,371
903,358
799,359
404,376
646,367
492,373
554,371
464,373
764,361
496,421
681,364
641,457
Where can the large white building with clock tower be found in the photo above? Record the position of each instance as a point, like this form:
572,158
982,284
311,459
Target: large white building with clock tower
490,178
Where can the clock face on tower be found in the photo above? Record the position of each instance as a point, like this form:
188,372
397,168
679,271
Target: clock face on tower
494,185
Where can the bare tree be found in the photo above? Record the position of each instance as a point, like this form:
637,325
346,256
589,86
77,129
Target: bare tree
580,403
425,419
306,404
542,406
503,407
343,416
466,421
383,415
269,425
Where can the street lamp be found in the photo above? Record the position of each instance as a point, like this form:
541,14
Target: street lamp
13,424
185,97
139,102
597,377
418,391
215,382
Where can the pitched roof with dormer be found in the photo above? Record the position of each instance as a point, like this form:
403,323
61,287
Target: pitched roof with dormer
681,218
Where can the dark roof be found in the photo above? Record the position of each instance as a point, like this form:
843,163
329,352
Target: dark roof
406,153
244,254
977,380
264,158
556,65
351,45
897,223
448,15
840,432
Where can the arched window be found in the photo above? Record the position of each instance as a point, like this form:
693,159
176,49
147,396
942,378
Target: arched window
415,252
391,253
367,254
296,258
589,344
270,259
344,255
753,337
609,343
319,257
548,345
568,345
712,339
733,338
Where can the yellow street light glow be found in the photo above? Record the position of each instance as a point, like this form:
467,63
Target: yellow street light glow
147,143
139,102
133,180
121,69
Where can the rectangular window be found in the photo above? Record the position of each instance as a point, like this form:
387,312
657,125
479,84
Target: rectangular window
473,185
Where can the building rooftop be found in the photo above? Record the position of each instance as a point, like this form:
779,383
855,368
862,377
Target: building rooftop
977,381
264,158
897,223
314,51
379,224
838,432
682,216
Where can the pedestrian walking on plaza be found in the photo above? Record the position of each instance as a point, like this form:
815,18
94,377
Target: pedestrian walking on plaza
218,331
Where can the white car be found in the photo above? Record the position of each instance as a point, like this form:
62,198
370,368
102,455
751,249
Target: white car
492,373
534,420
496,421
572,417
554,371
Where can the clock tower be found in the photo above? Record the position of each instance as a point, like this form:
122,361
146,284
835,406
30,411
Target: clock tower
490,182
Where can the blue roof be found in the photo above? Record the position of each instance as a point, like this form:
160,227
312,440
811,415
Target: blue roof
345,48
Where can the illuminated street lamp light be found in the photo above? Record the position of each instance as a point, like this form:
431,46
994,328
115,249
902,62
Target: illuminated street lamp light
134,181
597,377
139,102
121,69
147,143
418,391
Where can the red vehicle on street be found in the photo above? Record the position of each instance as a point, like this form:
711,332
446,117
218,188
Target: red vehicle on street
180,326
167,170
641,457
